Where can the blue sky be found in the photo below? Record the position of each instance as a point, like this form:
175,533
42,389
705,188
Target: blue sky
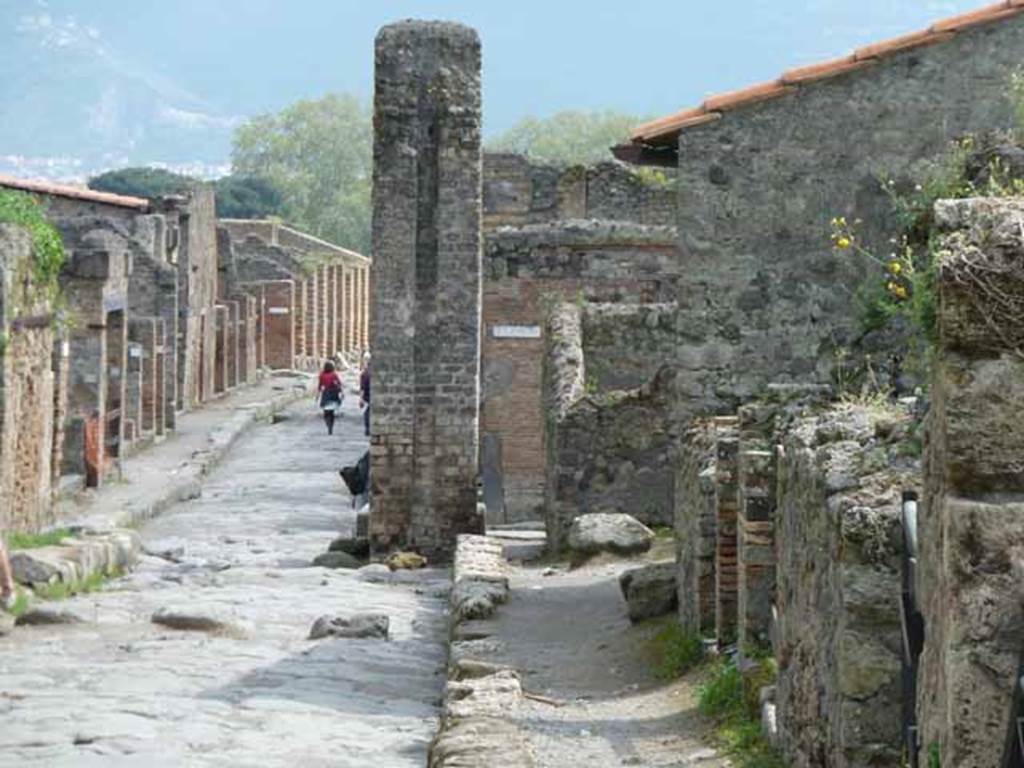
250,56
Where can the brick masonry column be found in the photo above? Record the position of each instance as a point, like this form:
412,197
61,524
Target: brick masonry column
365,318
427,286
756,545
342,330
727,493
279,327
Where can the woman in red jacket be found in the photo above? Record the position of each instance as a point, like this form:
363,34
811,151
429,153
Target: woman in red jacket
329,394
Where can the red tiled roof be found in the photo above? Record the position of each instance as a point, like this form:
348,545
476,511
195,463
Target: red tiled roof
664,130
77,193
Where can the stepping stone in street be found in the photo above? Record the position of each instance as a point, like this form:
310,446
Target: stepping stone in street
361,625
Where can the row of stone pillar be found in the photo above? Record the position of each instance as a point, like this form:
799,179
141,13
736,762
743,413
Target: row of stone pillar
304,322
331,313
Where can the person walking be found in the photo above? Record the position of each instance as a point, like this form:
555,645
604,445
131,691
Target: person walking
329,394
364,393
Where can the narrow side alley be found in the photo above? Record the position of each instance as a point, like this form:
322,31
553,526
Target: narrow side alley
115,689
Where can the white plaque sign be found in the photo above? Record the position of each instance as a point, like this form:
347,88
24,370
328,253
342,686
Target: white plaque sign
515,331
277,310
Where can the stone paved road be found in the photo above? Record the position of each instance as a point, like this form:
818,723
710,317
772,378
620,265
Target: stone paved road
120,691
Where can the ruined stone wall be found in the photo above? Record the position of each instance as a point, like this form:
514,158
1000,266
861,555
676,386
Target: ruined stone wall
94,283
605,452
838,637
762,298
528,267
625,344
26,390
971,527
695,524
520,192
426,289
150,245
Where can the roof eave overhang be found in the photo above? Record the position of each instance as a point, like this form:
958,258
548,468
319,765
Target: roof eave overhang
638,153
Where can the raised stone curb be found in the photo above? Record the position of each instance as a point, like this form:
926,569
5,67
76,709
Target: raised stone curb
77,558
478,725
187,482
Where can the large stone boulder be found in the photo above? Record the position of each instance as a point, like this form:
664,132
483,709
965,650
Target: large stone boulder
617,533
650,590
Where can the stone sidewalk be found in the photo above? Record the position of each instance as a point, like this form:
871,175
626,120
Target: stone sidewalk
171,471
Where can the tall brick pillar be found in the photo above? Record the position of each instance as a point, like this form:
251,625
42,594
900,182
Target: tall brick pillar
426,287
755,569
727,494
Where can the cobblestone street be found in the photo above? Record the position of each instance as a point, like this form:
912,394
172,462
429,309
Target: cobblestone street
118,690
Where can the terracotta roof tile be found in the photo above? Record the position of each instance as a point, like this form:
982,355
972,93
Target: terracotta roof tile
825,69
744,96
675,122
901,43
664,130
981,16
76,193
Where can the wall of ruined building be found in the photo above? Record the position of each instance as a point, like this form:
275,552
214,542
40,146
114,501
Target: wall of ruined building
519,192
837,637
763,299
694,523
971,525
427,248
149,242
526,268
625,344
605,452
94,284
27,390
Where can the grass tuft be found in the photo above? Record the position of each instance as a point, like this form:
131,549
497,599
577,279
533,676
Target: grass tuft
62,590
675,651
37,540
732,702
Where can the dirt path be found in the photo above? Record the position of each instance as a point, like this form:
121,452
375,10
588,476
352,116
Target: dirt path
569,636
117,690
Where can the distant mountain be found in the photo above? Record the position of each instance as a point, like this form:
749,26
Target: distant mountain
71,106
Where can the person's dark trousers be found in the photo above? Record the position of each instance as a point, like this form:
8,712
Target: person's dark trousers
329,421
366,420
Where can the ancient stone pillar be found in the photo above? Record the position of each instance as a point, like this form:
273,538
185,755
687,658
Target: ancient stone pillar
727,495
426,286
971,525
756,530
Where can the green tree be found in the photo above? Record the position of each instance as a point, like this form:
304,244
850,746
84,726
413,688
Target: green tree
141,182
247,197
567,137
319,154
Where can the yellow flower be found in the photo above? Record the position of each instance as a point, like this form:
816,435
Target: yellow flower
895,267
843,243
